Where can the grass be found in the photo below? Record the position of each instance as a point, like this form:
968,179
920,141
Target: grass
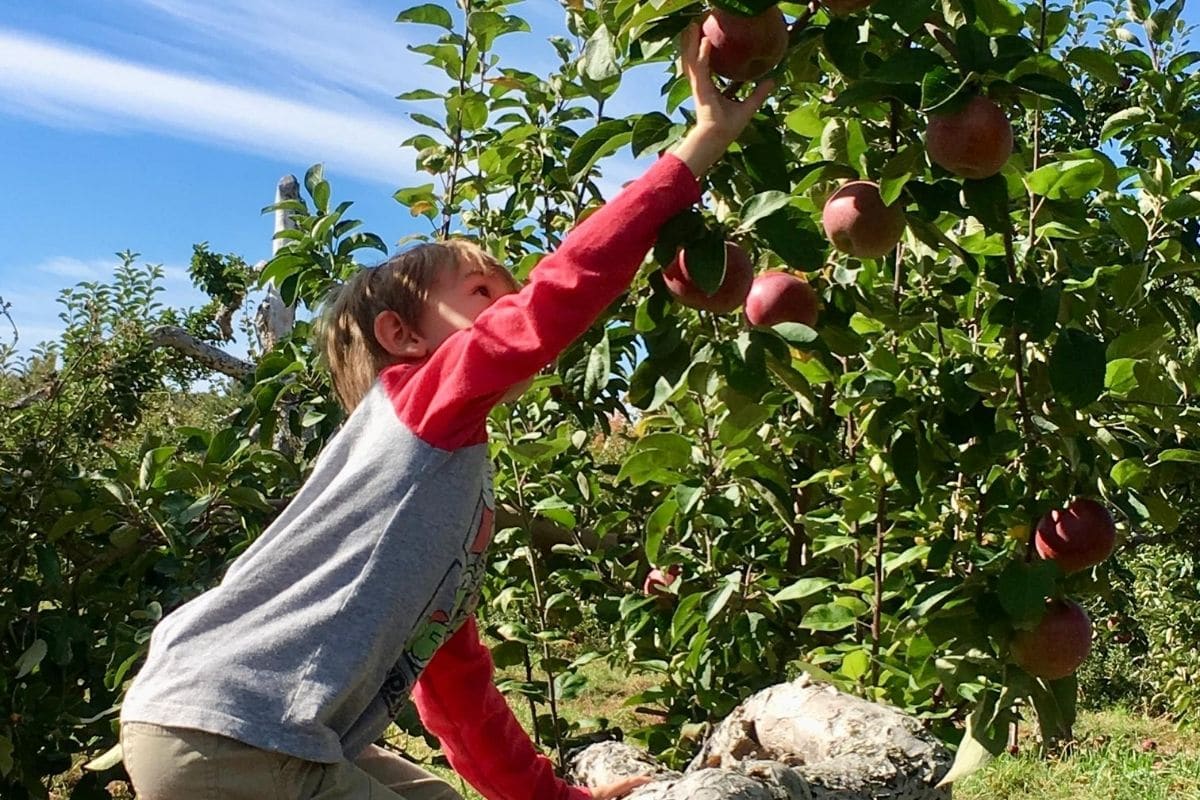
1119,756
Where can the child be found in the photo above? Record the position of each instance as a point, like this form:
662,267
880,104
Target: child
276,683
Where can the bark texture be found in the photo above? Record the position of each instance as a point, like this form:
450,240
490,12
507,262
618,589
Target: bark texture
793,741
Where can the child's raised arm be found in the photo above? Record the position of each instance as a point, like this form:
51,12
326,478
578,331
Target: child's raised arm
452,392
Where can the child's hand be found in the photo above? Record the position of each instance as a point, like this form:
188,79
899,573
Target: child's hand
719,120
611,791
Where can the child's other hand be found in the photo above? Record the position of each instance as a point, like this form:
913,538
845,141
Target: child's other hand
611,791
719,119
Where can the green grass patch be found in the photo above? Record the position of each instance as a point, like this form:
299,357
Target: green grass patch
1119,756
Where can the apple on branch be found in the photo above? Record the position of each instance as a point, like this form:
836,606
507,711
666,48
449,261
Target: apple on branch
745,48
1058,645
857,221
777,297
973,142
1077,537
739,274
657,581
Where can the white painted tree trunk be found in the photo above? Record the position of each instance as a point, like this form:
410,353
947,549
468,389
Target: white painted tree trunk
792,741
275,319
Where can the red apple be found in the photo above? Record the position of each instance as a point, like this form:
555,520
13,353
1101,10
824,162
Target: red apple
657,581
974,142
840,8
1078,537
779,297
745,48
739,274
1059,643
857,222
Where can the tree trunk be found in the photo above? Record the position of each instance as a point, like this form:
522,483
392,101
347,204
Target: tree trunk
792,741
275,319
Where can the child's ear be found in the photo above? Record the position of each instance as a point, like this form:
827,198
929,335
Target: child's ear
397,338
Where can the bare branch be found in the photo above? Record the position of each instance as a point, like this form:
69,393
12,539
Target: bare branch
214,358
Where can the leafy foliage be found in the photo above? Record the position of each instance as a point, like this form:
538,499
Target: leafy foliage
852,501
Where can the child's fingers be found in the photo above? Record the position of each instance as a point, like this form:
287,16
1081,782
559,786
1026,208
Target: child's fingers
759,96
687,45
700,75
761,93
702,58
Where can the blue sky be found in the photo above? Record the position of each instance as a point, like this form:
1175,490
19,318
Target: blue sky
151,125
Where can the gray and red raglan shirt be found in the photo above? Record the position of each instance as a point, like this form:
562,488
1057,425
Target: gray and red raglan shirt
362,591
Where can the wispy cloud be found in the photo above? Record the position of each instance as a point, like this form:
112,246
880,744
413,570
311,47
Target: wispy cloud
344,45
58,80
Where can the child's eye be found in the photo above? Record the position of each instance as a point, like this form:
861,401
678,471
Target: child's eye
483,290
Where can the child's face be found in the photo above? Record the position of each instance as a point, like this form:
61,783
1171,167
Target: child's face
457,298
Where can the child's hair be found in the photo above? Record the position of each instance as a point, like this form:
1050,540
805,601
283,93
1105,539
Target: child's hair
346,329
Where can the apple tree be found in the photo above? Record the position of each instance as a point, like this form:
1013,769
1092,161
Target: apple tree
980,221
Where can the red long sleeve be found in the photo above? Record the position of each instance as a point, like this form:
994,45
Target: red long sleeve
446,399
459,703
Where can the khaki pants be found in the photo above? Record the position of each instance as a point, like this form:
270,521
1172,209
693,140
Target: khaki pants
183,764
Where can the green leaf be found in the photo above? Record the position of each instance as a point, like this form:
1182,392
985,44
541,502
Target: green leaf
427,14
1097,63
1122,121
898,171
906,66
788,234
685,617
1023,589
106,760
651,132
656,527
828,617
1077,367
6,756
999,16
655,457
983,739
706,260
840,38
988,201
1054,702
1130,473
944,91
805,587
1120,376
1053,89
856,664
1062,179
598,142
599,366
1185,206
419,94
32,656
762,205
599,59
721,599
795,333
1139,342
1130,226
1177,454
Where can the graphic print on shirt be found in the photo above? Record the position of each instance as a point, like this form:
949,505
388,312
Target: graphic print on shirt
440,622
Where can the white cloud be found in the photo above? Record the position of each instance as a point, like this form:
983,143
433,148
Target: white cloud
76,269
300,41
56,79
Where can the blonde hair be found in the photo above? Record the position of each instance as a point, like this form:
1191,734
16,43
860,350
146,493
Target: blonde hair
346,328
